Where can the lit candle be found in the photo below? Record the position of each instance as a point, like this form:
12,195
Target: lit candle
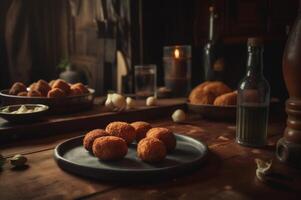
177,53
177,61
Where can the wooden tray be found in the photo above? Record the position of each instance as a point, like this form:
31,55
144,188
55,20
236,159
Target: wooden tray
73,157
57,105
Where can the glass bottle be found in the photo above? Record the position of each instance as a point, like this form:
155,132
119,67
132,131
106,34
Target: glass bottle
253,99
213,61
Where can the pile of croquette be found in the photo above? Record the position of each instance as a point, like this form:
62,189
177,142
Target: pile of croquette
111,143
53,89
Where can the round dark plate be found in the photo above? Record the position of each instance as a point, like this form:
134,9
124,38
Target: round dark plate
57,105
73,157
214,112
23,117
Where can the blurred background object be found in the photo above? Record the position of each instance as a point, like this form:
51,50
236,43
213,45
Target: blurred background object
36,35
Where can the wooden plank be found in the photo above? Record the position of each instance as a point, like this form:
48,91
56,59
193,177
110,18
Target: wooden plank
229,172
230,179
43,179
35,145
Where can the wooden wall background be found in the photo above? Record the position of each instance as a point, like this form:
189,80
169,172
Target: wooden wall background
168,22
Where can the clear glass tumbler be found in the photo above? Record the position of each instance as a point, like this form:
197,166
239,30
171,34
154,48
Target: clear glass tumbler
145,80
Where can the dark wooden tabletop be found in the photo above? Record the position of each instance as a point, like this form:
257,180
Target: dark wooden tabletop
228,173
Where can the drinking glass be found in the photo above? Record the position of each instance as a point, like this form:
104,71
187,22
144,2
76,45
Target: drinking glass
145,80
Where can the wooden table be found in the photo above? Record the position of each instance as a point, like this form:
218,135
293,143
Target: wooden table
228,173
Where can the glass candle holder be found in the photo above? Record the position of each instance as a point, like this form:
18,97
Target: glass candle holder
177,69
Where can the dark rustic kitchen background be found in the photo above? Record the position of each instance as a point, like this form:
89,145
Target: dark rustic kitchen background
35,36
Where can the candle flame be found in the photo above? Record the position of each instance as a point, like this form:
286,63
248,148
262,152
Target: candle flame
177,53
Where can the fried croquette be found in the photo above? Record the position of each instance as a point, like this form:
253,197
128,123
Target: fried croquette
22,94
51,83
74,91
202,97
34,93
56,93
141,129
165,135
217,88
122,130
207,92
109,148
80,86
91,136
32,86
198,96
64,86
197,89
17,88
151,150
42,86
226,99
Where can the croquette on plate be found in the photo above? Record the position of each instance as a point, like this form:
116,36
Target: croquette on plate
151,150
109,148
165,135
91,136
141,129
122,130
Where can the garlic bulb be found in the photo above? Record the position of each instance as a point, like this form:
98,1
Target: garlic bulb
109,103
151,101
115,102
178,115
130,103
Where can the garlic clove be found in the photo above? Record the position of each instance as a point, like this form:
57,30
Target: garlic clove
151,101
130,102
118,102
109,103
178,115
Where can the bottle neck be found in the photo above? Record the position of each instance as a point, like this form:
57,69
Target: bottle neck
211,26
255,61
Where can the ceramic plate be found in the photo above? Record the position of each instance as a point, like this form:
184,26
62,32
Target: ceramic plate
73,157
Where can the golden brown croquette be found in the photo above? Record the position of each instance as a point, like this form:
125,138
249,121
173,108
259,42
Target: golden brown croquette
165,135
109,148
141,129
123,130
151,150
91,136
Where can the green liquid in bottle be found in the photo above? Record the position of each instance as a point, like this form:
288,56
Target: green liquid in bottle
252,121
